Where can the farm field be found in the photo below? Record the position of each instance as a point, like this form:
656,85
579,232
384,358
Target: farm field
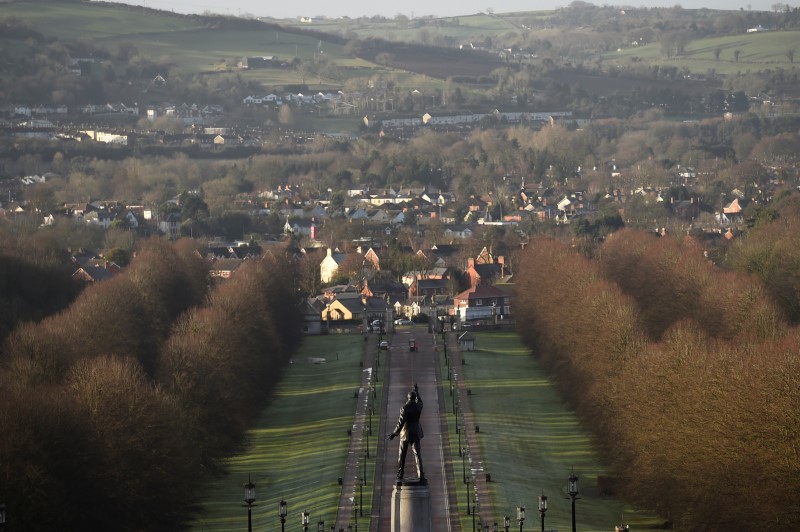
757,51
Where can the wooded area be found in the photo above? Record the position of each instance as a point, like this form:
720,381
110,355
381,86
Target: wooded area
686,373
129,397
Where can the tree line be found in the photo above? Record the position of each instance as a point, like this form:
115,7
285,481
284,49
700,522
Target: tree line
686,373
129,398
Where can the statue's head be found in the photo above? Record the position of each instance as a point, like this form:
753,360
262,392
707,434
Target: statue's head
412,396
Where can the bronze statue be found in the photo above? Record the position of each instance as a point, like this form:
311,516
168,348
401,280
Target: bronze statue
409,429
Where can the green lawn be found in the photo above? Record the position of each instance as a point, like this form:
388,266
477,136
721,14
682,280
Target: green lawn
298,446
528,438
530,441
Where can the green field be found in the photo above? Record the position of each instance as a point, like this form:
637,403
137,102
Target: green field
758,51
185,41
530,441
297,448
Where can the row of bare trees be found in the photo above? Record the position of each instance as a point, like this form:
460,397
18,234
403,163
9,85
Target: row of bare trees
686,374
127,399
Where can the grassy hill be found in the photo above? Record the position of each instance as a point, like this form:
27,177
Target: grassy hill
545,53
757,51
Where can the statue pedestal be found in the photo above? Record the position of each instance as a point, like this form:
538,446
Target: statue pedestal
411,507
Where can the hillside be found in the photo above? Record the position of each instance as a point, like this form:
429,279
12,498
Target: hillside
594,61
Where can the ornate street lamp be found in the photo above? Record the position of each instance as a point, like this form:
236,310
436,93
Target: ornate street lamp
572,490
304,520
542,507
249,499
321,526
2,515
506,523
494,527
520,516
282,512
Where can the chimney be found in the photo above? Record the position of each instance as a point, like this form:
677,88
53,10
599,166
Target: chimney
105,265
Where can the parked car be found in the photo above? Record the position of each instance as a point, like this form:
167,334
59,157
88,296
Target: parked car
384,346
403,321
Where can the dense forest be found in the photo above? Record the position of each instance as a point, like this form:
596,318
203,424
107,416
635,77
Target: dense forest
131,395
687,373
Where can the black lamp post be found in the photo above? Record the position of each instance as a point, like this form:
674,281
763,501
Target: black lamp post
366,450
366,455
542,507
458,431
321,526
282,512
2,515
572,490
464,463
304,520
494,527
473,517
466,480
520,516
506,523
249,499
361,495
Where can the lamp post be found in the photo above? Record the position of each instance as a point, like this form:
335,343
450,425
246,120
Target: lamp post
361,496
494,527
520,516
464,463
366,455
249,499
458,431
506,523
282,512
542,507
2,516
466,481
572,490
366,450
321,526
304,520
473,517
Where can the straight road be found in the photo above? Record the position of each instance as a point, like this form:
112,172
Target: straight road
404,368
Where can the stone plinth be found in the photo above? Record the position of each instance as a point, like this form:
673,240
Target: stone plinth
411,507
